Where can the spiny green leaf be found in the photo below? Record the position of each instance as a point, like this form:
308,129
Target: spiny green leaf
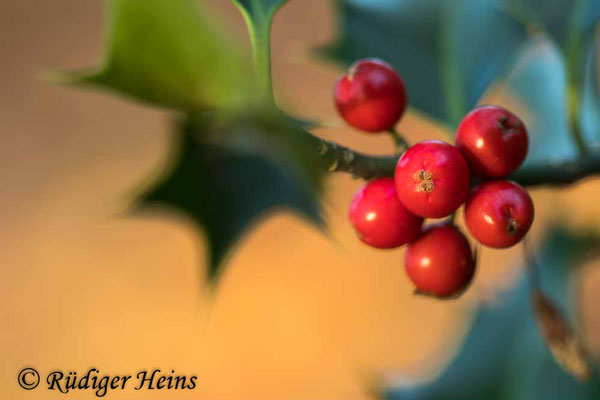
504,356
231,171
168,53
448,52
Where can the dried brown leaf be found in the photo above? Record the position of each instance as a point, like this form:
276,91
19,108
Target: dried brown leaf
565,346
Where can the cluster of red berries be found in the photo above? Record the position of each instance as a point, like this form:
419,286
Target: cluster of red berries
433,179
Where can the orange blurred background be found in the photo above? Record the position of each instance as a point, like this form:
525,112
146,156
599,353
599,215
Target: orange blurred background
298,315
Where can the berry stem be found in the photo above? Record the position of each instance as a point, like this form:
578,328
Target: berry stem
451,218
399,141
559,173
337,158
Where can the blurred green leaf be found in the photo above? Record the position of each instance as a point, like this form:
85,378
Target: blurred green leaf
539,81
562,19
231,171
167,53
448,52
570,26
590,104
504,356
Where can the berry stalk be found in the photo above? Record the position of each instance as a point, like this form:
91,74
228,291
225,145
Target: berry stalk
399,141
337,158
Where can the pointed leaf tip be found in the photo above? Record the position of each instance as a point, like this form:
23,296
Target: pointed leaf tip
233,171
169,54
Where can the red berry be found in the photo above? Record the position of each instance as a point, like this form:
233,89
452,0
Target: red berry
432,179
371,96
440,261
493,140
499,213
379,218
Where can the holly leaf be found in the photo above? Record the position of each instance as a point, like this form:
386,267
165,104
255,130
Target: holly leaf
167,53
504,355
539,81
448,52
232,171
570,52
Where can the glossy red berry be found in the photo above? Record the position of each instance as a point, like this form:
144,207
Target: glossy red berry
499,213
379,218
371,96
432,179
493,140
440,261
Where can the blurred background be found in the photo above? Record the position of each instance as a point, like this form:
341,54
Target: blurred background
297,314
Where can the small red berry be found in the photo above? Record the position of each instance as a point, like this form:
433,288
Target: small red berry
432,179
493,140
440,261
379,218
499,213
371,96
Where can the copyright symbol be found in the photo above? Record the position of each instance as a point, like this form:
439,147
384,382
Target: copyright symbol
28,378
